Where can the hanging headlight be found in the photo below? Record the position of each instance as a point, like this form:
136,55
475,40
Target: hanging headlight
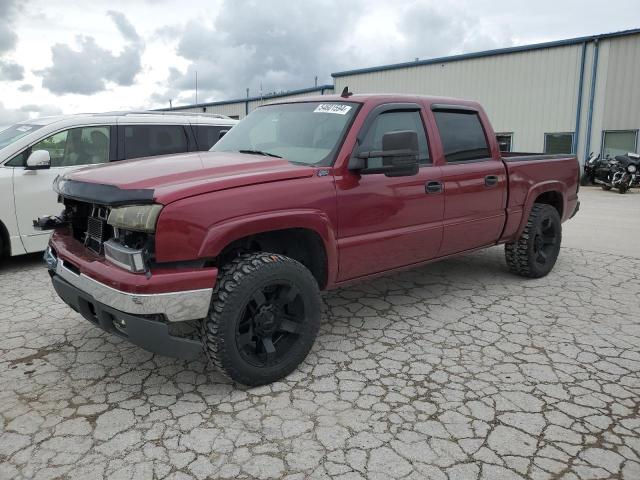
631,168
138,218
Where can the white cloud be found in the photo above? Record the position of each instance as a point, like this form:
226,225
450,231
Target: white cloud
90,68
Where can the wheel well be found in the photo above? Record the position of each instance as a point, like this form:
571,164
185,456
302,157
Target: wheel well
551,198
5,244
301,244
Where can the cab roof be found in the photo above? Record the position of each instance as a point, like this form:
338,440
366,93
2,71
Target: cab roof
381,98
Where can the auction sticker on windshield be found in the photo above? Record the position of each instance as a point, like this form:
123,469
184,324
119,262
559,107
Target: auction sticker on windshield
337,108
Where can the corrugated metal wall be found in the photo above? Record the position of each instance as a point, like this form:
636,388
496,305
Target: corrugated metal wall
622,97
528,93
533,92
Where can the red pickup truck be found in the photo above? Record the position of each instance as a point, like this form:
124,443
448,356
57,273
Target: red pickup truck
226,251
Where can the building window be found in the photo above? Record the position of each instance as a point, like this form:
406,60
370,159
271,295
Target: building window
504,141
558,143
619,142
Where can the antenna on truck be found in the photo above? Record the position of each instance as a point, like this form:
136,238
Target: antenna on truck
346,93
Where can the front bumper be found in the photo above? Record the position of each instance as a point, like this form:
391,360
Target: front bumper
175,306
152,335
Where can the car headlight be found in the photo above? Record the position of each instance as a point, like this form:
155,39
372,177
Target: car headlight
138,218
631,168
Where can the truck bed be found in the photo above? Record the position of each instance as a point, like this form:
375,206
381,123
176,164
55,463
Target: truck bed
530,174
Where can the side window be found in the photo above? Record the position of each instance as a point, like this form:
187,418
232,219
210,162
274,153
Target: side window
207,136
69,148
395,121
19,160
56,145
462,136
152,140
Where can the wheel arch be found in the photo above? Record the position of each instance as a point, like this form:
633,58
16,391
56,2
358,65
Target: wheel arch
549,193
5,241
304,235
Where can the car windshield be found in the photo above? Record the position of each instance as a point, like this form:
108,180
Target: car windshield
308,133
15,132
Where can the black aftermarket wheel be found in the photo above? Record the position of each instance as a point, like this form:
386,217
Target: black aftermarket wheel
264,318
535,253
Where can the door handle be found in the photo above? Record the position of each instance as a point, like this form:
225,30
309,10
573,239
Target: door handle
433,187
491,180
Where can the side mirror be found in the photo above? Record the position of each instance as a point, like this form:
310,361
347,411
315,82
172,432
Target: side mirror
38,160
222,133
399,156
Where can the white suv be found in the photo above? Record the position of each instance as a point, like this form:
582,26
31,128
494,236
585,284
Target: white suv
33,153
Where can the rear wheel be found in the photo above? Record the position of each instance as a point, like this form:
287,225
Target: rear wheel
605,187
264,318
535,253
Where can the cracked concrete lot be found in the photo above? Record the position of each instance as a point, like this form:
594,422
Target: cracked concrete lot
454,371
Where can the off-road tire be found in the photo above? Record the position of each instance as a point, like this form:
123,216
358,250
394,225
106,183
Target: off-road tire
606,188
622,190
521,256
237,282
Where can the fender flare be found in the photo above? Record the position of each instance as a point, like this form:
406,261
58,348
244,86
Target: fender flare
535,192
222,234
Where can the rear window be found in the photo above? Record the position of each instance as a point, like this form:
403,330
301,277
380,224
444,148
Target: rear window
151,140
208,135
462,136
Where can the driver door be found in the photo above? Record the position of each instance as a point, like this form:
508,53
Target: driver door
389,222
33,189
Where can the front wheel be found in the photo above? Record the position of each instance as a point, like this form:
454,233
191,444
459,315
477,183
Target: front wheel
264,318
535,253
623,189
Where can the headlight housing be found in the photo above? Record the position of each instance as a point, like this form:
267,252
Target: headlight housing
137,218
631,168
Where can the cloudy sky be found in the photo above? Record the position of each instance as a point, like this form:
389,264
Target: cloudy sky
86,56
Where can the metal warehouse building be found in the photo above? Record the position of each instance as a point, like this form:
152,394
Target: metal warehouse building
568,96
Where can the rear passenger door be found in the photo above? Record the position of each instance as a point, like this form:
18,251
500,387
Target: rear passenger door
140,140
474,181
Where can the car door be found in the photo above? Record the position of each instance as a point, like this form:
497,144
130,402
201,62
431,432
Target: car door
474,181
33,189
388,222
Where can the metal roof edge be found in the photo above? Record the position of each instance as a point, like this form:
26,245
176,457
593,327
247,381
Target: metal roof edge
252,99
487,53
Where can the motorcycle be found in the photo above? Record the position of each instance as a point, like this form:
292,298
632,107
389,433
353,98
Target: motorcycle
621,172
590,165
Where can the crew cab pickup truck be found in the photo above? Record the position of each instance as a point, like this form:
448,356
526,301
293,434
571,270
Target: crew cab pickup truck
226,251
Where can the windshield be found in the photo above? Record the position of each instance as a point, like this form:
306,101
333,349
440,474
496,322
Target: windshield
308,133
15,132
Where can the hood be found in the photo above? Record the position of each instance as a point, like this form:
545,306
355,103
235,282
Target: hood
172,177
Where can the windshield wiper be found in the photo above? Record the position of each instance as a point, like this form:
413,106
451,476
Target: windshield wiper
260,152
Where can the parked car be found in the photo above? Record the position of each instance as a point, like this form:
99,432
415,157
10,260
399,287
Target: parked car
300,196
33,153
